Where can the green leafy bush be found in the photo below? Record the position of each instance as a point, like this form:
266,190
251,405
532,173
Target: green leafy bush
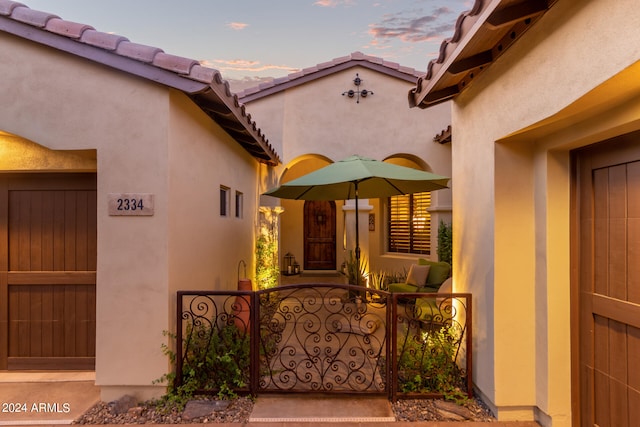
215,360
445,242
426,364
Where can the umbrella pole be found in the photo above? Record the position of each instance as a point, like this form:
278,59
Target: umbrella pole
357,239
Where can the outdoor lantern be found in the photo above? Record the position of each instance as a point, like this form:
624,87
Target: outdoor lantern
287,264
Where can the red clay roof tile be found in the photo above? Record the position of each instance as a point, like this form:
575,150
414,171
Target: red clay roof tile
139,52
102,40
67,28
32,17
326,68
177,64
204,85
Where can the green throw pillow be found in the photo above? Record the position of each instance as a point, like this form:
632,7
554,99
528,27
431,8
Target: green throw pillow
438,272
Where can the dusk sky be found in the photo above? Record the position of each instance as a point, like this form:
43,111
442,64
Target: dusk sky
256,39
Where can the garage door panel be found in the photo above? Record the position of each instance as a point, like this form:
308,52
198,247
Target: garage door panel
601,399
633,255
617,191
634,405
633,197
633,357
608,292
601,343
618,351
617,286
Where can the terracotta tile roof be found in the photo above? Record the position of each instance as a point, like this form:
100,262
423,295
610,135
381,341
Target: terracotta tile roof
481,35
444,136
205,86
326,68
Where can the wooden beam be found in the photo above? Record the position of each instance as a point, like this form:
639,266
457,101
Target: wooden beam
441,95
517,12
466,64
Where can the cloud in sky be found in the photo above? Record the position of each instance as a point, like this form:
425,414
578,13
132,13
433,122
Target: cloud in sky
411,26
236,65
333,3
237,25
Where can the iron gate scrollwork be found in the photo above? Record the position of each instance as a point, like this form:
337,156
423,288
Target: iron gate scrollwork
324,338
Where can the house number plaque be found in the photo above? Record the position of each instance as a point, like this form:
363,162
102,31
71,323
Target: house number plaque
130,204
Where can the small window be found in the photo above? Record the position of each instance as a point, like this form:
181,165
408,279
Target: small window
239,204
224,201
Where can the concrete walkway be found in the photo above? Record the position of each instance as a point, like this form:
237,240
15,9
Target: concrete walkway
48,399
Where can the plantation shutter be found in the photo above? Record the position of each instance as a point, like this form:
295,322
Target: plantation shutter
410,223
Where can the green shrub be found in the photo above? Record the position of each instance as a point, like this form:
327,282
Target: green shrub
215,360
445,242
426,364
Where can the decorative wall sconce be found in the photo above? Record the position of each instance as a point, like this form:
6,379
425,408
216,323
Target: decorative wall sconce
357,92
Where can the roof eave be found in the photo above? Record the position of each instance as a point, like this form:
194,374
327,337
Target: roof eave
211,89
101,56
461,57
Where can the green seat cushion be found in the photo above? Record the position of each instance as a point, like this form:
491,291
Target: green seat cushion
405,287
438,272
402,287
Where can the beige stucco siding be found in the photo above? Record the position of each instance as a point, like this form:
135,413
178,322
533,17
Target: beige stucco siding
314,120
512,176
62,102
206,248
147,139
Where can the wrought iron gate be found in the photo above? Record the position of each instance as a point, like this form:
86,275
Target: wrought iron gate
321,338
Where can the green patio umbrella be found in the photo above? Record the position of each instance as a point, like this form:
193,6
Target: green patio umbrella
359,177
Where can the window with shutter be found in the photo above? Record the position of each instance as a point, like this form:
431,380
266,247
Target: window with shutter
409,223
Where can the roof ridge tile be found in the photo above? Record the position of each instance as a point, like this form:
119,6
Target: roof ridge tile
203,74
137,51
36,18
175,63
7,6
70,29
103,40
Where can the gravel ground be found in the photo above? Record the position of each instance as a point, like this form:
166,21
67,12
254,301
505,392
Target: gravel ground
239,410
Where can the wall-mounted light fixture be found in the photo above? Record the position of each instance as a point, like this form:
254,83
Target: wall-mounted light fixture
357,92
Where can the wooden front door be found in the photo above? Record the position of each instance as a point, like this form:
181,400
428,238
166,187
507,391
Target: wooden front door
47,271
606,283
319,235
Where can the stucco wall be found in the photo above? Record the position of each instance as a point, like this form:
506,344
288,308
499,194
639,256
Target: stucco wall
148,139
514,127
315,119
60,102
205,247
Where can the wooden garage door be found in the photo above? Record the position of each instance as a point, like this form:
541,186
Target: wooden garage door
47,271
607,291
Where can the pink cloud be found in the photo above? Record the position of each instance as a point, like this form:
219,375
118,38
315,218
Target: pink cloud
411,26
237,25
333,3
245,65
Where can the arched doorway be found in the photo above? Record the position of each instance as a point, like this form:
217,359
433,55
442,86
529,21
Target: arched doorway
319,235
